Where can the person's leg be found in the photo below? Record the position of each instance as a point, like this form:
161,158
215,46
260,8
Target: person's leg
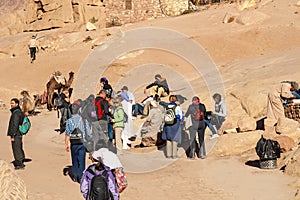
34,52
74,157
169,149
219,122
146,108
174,149
31,52
192,143
161,92
211,127
81,161
118,134
17,147
140,109
202,151
153,90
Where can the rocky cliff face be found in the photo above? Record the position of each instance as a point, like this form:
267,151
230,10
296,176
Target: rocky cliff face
38,15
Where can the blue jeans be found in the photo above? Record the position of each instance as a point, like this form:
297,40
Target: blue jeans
78,154
211,127
137,109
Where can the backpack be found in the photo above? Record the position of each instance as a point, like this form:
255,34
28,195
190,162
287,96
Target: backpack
125,119
88,111
76,137
198,115
170,117
25,126
98,108
121,179
99,186
59,101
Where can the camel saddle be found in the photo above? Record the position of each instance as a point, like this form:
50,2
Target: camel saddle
59,77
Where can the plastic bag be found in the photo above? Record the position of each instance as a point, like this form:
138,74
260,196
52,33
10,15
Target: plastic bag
267,149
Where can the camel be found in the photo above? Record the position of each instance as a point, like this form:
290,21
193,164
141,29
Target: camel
57,82
26,103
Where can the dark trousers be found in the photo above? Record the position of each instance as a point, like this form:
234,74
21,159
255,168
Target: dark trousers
17,147
137,109
78,154
200,130
32,52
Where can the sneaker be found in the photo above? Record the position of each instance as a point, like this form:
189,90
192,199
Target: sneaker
133,117
202,157
214,136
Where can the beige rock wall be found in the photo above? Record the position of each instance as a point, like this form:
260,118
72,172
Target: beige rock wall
38,15
127,11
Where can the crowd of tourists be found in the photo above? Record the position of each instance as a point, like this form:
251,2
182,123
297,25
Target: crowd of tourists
102,125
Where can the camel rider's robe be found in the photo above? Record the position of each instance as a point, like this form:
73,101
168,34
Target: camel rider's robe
275,109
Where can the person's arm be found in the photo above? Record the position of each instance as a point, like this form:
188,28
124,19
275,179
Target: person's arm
204,111
69,129
84,184
188,112
112,186
14,123
178,112
67,143
151,85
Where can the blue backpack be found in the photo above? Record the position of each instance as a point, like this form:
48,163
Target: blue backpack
25,126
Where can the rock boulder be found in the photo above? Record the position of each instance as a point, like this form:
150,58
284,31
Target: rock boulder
12,186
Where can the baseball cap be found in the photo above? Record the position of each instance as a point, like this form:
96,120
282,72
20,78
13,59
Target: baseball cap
124,88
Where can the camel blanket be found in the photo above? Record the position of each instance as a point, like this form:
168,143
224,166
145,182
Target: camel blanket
59,77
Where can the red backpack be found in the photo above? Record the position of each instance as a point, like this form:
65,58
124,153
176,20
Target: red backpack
98,108
198,115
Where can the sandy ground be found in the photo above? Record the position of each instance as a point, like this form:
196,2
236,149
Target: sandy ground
273,43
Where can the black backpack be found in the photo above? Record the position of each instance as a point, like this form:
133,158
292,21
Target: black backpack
99,186
59,101
76,136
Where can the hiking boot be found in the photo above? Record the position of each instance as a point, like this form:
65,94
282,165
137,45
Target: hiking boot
132,138
19,167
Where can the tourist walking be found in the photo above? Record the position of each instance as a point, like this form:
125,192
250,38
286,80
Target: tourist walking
33,48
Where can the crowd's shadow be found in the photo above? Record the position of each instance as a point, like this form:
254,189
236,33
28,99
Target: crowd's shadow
253,163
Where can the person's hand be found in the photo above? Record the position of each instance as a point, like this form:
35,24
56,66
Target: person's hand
67,148
12,139
145,90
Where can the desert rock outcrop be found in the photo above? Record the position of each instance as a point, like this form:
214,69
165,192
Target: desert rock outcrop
11,186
